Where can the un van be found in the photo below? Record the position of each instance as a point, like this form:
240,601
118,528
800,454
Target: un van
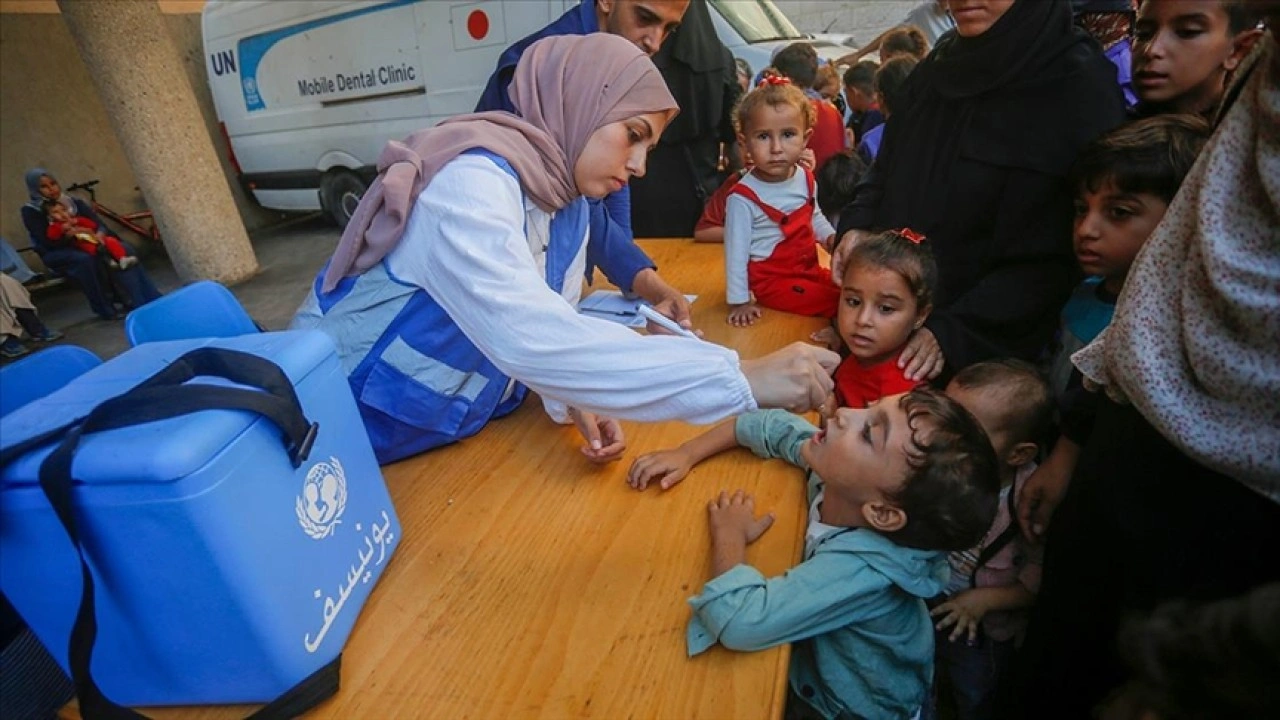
307,93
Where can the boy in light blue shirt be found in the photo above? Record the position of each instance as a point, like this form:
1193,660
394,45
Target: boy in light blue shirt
891,489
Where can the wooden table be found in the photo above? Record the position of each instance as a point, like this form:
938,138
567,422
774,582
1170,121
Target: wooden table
533,584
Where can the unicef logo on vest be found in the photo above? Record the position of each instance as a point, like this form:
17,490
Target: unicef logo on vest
323,498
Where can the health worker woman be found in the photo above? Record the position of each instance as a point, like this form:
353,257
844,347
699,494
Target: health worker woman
455,284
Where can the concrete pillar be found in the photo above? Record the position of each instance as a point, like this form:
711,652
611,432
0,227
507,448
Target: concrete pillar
134,64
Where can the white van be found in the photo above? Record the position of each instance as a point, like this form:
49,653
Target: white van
308,92
756,29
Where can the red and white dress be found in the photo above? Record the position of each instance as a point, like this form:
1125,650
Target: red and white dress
770,236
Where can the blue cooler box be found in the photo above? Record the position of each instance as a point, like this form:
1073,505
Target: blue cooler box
223,574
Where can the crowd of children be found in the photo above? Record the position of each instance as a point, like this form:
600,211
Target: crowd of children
923,552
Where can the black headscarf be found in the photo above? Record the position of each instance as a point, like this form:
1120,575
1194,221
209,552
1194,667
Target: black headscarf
997,98
695,65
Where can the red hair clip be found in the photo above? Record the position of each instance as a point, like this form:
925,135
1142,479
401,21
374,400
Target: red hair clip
773,80
909,234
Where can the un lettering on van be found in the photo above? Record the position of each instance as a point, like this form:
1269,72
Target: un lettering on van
325,60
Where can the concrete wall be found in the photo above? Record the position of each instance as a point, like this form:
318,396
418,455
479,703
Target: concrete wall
864,19
51,117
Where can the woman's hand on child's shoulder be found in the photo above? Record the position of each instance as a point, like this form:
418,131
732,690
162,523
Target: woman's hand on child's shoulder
733,518
666,467
922,357
744,315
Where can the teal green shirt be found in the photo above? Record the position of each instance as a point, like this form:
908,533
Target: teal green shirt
854,607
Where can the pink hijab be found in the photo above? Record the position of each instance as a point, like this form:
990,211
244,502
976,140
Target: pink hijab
565,88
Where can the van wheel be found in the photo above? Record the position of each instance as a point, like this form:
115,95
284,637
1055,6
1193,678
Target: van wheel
340,192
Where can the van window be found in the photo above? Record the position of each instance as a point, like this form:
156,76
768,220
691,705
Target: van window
757,20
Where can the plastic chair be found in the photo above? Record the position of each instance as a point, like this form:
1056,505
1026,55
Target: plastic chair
41,373
199,310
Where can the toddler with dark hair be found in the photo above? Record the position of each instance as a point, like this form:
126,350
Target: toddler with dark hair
837,182
983,613
891,488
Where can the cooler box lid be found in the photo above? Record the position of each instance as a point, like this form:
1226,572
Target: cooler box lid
161,451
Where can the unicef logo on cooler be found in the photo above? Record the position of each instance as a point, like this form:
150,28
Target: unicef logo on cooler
323,498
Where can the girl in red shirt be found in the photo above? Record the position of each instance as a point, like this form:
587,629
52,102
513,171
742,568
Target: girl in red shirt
885,296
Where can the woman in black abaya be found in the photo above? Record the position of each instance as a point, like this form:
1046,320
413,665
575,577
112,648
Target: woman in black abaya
992,120
684,169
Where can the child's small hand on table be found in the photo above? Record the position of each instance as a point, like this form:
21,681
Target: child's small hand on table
744,315
668,467
733,519
605,442
965,610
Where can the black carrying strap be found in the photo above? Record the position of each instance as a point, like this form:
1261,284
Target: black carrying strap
163,396
1001,540
155,399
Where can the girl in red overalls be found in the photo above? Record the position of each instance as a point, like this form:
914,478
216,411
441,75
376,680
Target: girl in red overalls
771,228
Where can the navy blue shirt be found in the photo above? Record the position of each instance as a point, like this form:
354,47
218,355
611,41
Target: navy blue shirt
610,245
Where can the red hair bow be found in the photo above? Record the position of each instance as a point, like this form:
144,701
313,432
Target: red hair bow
909,234
773,80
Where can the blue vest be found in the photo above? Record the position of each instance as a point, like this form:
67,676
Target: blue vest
418,381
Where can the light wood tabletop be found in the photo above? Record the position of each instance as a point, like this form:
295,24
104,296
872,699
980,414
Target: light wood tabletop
531,583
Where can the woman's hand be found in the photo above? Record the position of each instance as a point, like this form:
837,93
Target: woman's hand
795,378
668,467
922,358
603,435
667,300
744,314
840,255
1045,487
